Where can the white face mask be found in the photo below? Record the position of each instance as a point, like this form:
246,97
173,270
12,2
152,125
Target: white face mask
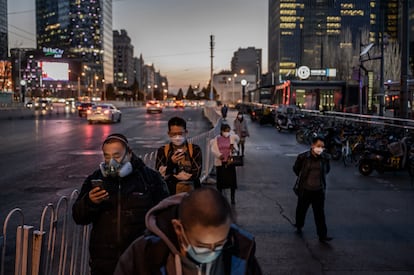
177,140
318,150
226,134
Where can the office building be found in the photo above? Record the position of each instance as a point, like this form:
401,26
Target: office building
247,61
307,32
123,59
81,30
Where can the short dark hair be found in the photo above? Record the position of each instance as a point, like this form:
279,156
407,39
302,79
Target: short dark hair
224,127
204,206
177,121
315,139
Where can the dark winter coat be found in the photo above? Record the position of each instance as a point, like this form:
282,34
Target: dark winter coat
302,168
118,221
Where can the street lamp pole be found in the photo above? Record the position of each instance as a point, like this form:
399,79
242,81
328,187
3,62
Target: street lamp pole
243,83
232,93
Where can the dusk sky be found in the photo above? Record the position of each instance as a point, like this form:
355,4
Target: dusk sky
172,34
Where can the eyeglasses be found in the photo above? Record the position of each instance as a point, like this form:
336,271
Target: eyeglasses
206,248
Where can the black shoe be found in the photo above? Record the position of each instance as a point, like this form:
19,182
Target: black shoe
325,239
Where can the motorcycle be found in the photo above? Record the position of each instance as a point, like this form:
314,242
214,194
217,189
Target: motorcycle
398,156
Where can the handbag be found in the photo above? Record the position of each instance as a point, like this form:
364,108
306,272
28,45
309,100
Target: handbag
296,187
235,161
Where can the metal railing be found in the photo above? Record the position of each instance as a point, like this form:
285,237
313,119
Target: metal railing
60,246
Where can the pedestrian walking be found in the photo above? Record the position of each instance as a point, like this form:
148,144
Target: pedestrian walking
222,147
240,128
115,199
193,234
179,161
224,111
311,167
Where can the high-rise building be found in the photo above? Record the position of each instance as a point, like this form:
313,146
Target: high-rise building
82,29
299,30
247,61
123,59
3,30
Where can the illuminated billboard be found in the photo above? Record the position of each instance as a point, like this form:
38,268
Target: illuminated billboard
54,71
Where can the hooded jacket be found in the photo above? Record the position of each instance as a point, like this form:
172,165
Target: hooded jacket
157,252
118,221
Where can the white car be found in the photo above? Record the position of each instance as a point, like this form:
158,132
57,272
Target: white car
154,106
104,113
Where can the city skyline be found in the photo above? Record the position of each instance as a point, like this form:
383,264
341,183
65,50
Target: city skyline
174,36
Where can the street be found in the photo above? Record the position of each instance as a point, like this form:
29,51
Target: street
370,218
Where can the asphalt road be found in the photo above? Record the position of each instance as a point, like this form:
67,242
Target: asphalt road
370,218
48,156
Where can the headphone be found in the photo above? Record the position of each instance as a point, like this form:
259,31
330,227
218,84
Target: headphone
113,168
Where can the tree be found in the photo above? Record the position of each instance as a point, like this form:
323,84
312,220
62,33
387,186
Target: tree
180,94
190,93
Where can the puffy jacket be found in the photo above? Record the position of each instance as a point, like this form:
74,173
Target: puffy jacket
118,221
302,167
157,252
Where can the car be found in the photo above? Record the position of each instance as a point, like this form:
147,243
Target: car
104,113
84,107
154,106
29,105
179,104
43,104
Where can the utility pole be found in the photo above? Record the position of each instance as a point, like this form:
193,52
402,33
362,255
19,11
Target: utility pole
382,92
211,65
405,95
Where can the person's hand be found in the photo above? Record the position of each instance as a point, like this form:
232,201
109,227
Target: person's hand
162,170
98,195
221,157
183,175
177,156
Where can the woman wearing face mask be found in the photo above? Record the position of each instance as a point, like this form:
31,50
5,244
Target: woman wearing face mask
311,167
222,147
240,128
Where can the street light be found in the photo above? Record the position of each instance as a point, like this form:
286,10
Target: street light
243,83
232,93
104,89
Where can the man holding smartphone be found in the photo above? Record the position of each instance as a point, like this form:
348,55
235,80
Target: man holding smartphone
179,162
115,199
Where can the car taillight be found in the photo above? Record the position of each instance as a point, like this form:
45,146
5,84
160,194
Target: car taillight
89,111
106,112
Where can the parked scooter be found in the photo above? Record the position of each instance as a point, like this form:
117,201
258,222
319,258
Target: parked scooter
398,156
287,123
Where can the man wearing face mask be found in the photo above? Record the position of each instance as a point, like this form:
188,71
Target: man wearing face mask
191,233
115,199
240,128
179,162
312,167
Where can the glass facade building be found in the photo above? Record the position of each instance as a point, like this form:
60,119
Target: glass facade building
82,29
300,30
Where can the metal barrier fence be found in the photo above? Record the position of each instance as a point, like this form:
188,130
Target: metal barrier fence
60,246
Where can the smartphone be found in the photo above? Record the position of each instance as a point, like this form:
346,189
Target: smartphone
97,183
180,150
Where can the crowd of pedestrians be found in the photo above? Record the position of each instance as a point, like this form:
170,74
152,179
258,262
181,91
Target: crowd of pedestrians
164,221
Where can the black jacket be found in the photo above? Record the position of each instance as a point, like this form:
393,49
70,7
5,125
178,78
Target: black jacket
302,168
172,168
121,219
158,253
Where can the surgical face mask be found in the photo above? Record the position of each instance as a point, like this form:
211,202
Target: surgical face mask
318,150
177,140
226,134
203,255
